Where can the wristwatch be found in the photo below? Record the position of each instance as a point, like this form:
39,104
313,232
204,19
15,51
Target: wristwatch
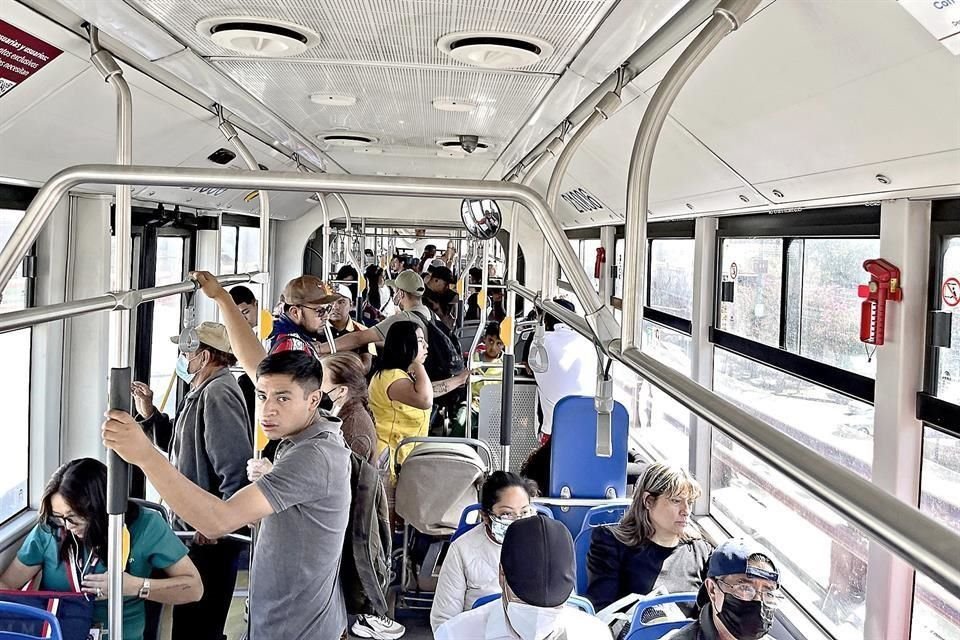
144,592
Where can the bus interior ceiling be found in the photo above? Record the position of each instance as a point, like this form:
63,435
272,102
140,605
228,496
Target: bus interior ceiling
843,113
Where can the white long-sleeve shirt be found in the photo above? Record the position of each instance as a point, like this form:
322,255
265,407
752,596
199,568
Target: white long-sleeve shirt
571,370
470,571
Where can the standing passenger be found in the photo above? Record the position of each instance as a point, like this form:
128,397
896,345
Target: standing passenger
401,395
209,444
341,323
306,305
302,505
249,307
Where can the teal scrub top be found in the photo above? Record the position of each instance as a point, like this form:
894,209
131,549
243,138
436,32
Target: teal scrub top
153,545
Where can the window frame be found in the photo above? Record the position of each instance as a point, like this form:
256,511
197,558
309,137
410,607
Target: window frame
934,411
18,198
842,223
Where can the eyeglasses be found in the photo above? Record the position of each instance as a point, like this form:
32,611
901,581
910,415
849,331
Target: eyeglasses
511,517
747,592
320,311
61,522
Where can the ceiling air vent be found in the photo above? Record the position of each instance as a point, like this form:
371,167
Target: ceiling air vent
347,138
222,156
493,50
258,36
462,145
582,200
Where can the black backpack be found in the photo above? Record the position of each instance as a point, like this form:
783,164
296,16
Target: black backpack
444,359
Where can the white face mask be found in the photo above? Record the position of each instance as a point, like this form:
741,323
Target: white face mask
530,622
498,528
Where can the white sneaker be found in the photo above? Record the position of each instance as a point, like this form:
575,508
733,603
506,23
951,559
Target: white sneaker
378,627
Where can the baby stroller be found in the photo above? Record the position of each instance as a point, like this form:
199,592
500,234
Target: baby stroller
435,483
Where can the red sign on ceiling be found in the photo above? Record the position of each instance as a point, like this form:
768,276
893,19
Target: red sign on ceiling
21,56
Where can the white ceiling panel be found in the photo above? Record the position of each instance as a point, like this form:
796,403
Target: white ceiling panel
807,87
393,103
399,31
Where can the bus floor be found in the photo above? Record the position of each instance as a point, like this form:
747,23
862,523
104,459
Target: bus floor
417,623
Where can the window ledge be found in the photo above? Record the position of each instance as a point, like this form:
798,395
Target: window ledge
16,528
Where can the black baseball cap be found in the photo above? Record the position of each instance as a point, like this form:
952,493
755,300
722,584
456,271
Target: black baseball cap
442,273
538,562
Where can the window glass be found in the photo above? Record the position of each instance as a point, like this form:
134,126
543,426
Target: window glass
14,388
228,250
248,250
838,428
948,379
660,423
588,258
936,614
671,277
755,267
823,559
830,308
166,322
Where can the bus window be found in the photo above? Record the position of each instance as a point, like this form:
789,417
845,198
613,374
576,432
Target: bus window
671,277
823,559
14,388
166,321
754,265
228,249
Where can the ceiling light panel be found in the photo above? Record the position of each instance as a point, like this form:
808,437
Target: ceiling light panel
394,103
395,31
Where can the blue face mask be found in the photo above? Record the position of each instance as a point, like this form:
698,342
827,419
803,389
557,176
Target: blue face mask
183,371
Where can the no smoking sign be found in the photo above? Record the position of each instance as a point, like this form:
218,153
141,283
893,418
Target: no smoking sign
951,292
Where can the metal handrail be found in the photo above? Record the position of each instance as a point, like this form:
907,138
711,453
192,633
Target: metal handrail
108,302
673,31
902,528
727,17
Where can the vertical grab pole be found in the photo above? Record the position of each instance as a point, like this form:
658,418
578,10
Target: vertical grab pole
118,483
482,303
230,133
509,356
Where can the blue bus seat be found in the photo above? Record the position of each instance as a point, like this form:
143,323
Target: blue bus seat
471,518
22,611
605,514
581,547
641,631
575,469
573,601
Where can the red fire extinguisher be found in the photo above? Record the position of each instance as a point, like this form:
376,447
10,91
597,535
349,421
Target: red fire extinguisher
599,262
884,285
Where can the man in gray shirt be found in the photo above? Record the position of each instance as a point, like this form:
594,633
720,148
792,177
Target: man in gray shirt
209,443
302,502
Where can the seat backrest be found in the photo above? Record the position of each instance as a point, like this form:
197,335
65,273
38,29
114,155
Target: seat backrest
15,610
641,631
581,547
574,465
604,514
523,434
468,520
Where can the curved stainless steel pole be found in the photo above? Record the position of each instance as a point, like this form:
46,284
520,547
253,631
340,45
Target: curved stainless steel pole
351,259
230,133
117,469
727,17
600,318
673,31
58,185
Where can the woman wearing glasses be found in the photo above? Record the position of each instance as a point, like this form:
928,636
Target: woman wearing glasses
69,546
471,568
654,546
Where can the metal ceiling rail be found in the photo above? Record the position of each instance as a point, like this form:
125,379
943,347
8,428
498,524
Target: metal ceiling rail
727,18
57,187
902,528
125,300
673,31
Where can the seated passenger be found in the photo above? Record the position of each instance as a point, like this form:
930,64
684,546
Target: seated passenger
655,545
302,505
68,548
209,443
536,578
401,395
492,353
471,569
739,597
